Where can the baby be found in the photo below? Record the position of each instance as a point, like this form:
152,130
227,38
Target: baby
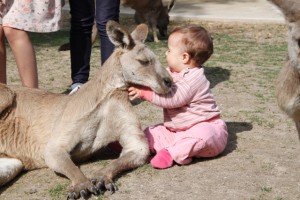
192,125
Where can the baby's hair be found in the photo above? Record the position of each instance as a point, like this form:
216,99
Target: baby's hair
198,42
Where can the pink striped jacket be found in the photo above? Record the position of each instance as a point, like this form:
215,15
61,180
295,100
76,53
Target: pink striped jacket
189,101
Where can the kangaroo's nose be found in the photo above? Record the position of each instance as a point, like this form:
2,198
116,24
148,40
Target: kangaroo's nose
167,82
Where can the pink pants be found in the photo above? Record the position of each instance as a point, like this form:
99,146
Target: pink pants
206,139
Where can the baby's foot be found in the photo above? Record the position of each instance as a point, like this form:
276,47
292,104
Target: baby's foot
162,160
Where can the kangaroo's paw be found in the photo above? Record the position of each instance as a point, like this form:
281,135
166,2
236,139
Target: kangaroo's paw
105,183
82,190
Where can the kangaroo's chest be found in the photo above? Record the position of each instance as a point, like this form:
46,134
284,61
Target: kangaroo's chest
101,126
94,131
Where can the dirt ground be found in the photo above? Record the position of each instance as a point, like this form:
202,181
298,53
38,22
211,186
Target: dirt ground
262,158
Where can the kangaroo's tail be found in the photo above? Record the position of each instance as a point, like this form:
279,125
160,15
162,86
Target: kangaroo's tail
9,169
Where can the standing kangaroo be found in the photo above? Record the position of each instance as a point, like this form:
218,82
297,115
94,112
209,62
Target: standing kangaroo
42,129
288,83
155,13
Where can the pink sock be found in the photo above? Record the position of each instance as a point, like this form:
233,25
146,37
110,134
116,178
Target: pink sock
162,160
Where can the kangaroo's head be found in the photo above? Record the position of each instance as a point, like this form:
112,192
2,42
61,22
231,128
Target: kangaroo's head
291,11
139,64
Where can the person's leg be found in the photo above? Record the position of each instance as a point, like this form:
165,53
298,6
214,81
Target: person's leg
106,10
82,20
206,139
24,53
2,56
159,139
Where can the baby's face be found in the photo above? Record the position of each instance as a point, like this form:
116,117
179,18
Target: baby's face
174,53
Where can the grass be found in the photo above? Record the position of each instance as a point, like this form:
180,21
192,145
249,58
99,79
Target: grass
54,39
58,191
234,48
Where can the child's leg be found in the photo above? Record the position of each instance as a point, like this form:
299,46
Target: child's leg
2,56
159,137
24,53
206,139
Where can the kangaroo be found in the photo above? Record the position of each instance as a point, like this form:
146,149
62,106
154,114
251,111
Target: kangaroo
42,129
288,82
154,13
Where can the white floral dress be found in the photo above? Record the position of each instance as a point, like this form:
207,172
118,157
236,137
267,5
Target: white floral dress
31,15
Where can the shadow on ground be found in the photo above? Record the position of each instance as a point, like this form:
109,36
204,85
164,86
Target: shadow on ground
233,129
216,75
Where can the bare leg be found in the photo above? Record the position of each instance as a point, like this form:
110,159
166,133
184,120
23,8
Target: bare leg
2,57
24,53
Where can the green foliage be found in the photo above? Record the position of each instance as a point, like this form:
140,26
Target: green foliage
58,191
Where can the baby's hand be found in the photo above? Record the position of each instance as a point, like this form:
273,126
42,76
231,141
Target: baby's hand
134,93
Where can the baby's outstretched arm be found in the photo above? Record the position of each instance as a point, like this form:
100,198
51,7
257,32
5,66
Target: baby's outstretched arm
136,92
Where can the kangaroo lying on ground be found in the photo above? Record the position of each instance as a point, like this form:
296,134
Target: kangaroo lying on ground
155,13
288,83
42,129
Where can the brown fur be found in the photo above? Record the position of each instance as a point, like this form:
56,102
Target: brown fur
43,129
288,83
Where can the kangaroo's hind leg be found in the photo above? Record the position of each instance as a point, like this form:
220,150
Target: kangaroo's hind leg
9,169
6,97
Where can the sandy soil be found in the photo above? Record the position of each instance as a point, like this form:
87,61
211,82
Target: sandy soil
261,160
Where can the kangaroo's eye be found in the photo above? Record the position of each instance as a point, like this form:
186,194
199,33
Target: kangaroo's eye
144,62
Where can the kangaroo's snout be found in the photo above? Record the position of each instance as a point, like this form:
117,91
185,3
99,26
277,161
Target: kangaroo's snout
168,82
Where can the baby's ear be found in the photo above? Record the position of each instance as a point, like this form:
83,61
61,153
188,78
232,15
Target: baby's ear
186,58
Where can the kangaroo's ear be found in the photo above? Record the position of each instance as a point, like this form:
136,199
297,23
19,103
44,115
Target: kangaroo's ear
140,33
118,35
168,4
